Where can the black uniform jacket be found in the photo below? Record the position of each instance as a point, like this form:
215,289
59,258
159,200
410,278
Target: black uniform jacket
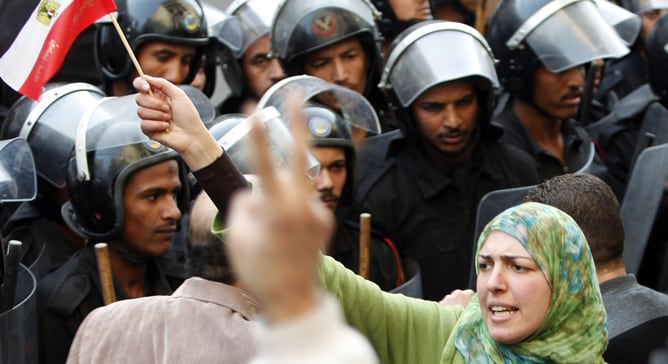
384,260
577,146
617,135
429,210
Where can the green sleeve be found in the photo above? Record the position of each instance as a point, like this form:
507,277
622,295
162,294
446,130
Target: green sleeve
401,329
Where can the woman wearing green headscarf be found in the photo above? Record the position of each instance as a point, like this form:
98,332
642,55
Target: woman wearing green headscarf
537,300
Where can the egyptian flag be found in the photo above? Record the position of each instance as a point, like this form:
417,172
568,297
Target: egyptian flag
36,35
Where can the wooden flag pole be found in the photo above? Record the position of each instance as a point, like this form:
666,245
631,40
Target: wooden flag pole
129,49
365,237
104,268
480,17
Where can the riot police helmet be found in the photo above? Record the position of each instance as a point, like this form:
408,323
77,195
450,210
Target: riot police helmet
105,156
49,124
225,41
523,33
173,21
412,68
254,17
326,128
356,111
301,27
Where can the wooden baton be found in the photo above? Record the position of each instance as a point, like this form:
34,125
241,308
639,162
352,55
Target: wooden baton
365,237
106,278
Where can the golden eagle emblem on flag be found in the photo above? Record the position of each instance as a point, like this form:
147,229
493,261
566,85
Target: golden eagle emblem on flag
46,11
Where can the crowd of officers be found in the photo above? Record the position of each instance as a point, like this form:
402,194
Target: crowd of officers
440,114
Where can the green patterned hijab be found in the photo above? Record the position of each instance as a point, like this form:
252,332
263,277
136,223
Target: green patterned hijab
574,330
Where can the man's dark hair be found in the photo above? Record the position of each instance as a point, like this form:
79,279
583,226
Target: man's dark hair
206,253
593,206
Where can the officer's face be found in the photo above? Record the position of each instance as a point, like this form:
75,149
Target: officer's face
260,71
168,60
411,9
558,94
151,210
332,177
344,63
446,115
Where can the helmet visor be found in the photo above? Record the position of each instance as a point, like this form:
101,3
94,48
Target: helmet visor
589,37
356,110
124,109
17,171
54,121
625,23
255,17
290,14
225,28
422,60
237,143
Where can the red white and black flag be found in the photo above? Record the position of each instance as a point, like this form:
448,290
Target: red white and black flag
36,35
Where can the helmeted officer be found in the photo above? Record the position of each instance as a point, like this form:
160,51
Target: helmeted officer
168,38
49,125
543,77
339,43
332,146
127,191
252,71
422,183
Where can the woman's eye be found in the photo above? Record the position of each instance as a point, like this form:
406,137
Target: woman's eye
519,268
